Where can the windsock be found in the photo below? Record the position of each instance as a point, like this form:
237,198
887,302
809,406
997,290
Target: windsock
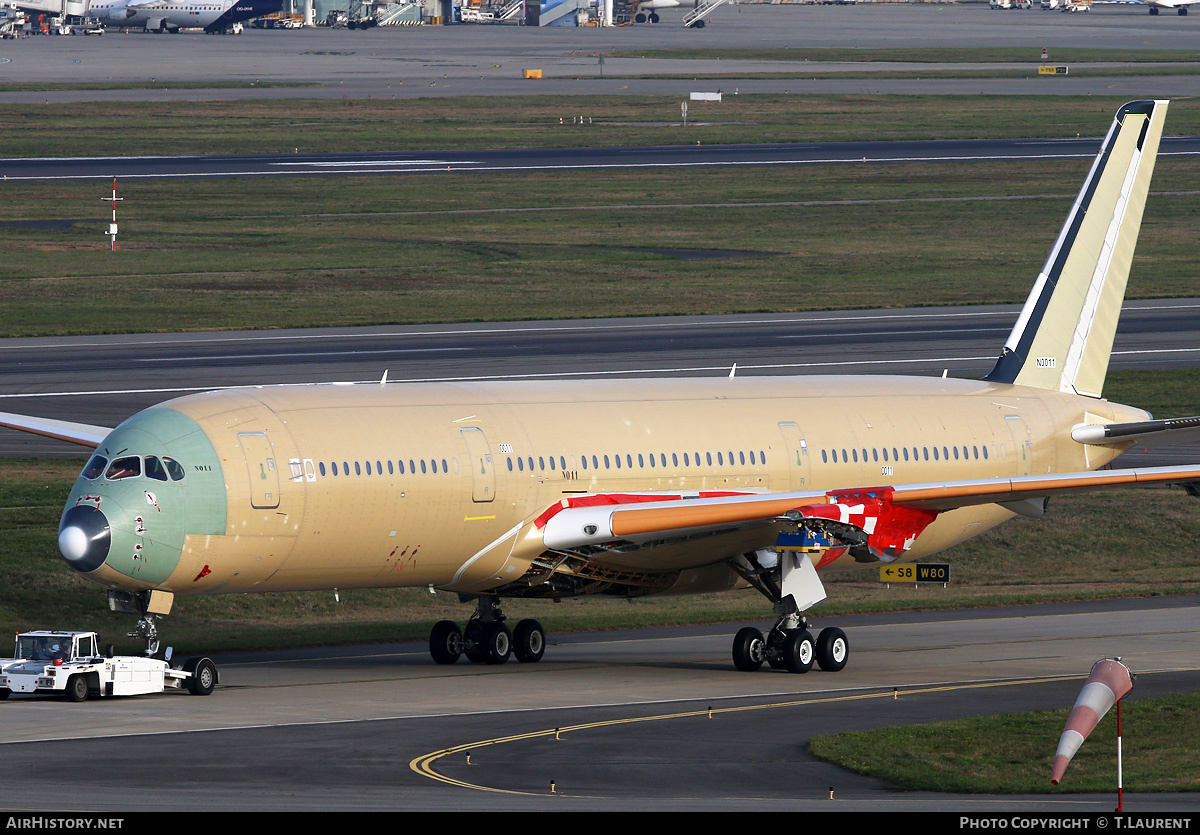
1109,682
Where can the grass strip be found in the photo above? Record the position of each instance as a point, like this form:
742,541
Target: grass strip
305,252
1014,753
253,126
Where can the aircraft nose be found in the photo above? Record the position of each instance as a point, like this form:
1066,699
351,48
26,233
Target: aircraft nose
83,538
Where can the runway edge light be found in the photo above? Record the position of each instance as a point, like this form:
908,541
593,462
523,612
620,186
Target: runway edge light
1108,683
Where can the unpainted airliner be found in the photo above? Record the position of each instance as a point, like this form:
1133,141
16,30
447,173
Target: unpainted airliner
554,489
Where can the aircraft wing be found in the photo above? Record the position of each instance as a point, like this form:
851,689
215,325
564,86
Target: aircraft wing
889,518
75,433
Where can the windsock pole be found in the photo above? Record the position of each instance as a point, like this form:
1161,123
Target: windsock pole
1120,782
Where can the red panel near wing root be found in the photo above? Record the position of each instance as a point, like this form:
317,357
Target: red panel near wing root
891,529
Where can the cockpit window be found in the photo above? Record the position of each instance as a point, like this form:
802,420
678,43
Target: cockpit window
128,467
155,469
174,468
95,467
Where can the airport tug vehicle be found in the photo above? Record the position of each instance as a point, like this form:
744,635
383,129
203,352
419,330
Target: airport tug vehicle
69,663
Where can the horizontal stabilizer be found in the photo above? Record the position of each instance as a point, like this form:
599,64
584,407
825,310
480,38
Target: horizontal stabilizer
1145,432
73,433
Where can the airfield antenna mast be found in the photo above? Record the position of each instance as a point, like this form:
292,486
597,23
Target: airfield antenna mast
112,227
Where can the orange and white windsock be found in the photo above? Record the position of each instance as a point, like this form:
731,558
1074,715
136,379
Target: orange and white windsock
1109,681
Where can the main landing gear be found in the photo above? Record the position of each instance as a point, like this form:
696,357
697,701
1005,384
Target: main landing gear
787,578
790,648
486,638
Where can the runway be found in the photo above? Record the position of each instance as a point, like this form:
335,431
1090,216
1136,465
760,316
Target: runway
562,159
375,728
104,379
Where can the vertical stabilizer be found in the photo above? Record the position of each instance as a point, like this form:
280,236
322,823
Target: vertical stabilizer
1064,335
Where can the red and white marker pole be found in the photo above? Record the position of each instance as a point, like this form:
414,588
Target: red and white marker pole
112,227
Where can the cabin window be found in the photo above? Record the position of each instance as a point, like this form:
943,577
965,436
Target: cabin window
885,455
400,465
674,459
510,466
368,467
975,449
651,459
321,467
956,453
521,464
906,453
985,452
935,454
551,463
824,457
562,462
95,467
606,463
641,461
583,460
358,468
629,460
423,470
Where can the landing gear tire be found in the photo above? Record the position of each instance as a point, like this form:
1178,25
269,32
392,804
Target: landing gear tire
77,688
445,642
473,642
749,649
5,693
833,649
204,676
640,17
497,643
529,641
654,18
798,651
